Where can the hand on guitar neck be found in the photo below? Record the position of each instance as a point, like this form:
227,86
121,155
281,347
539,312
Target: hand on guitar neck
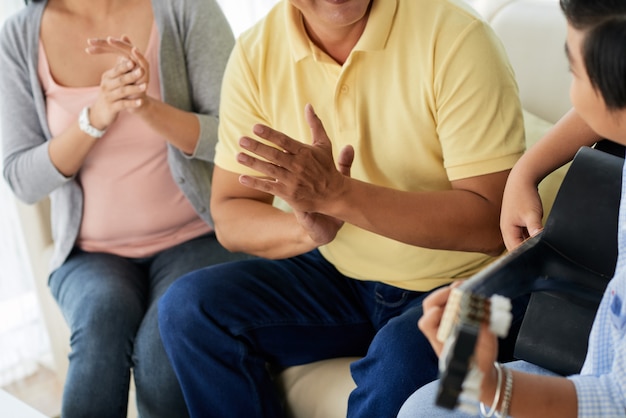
565,268
456,321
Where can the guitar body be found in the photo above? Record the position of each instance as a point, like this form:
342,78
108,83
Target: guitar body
566,268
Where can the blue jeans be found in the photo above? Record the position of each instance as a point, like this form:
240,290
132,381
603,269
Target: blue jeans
225,327
422,402
109,303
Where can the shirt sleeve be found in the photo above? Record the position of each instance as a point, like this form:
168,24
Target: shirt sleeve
479,114
240,110
601,386
601,396
27,166
196,41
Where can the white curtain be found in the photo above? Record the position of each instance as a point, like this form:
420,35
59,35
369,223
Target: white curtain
24,343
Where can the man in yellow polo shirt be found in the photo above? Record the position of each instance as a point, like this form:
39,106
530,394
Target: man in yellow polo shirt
389,128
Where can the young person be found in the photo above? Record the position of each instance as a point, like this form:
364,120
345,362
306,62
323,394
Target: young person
416,101
119,131
596,49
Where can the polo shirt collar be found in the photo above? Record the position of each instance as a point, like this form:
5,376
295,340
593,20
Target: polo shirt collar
374,37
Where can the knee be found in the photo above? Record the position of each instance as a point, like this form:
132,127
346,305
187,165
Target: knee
399,352
190,301
421,403
101,323
408,344
176,306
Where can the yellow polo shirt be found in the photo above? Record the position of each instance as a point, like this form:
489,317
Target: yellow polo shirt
426,97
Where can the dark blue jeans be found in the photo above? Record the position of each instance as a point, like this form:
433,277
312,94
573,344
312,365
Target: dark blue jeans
225,327
110,305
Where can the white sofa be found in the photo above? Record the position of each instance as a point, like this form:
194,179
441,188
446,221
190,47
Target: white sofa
533,33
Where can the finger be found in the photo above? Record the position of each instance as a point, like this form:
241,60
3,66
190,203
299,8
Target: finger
513,236
105,46
320,138
430,320
277,138
272,171
120,78
120,82
123,66
272,154
130,91
533,226
429,325
456,283
120,44
141,60
346,158
261,184
126,104
138,57
438,298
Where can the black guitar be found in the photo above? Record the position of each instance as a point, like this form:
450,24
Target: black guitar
566,268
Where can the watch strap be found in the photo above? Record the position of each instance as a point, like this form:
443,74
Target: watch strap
85,125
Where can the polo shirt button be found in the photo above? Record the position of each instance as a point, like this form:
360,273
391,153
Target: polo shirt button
345,89
202,210
181,180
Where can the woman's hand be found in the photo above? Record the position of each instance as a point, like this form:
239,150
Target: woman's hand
124,86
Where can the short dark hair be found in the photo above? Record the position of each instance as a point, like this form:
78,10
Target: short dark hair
604,47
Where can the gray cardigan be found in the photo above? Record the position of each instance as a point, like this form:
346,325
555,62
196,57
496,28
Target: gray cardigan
195,44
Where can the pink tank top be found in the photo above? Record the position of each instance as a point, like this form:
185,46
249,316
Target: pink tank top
132,206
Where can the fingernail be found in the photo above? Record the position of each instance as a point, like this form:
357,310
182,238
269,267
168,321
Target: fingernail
244,142
242,158
258,129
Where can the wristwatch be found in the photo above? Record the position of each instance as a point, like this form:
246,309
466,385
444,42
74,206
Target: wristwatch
85,125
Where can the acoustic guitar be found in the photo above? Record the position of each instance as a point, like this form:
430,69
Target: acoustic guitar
565,268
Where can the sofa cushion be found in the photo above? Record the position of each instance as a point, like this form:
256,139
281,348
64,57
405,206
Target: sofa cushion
318,390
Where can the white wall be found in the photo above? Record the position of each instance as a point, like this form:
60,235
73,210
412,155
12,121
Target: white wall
242,14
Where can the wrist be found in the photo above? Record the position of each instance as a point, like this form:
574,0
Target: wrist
85,124
491,391
143,106
496,392
488,386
